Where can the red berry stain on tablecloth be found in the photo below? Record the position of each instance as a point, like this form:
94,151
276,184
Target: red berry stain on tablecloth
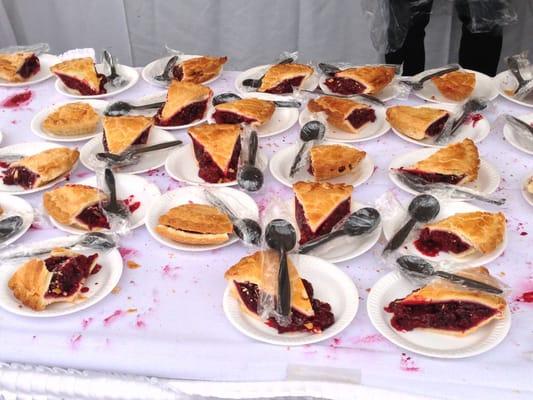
335,342
113,317
75,341
17,100
407,364
132,204
127,252
527,297
86,322
369,339
170,272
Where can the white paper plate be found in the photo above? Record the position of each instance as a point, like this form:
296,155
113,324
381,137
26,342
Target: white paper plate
38,119
371,131
127,185
128,73
182,166
148,161
517,141
330,284
46,61
27,149
257,72
346,247
280,165
486,183
527,196
447,209
476,133
240,203
506,81
282,120
156,67
393,286
389,92
485,88
13,205
99,284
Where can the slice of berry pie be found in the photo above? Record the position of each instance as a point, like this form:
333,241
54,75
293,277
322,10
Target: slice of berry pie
251,111
257,274
462,234
455,164
71,120
39,169
217,148
344,114
332,160
58,278
319,206
417,122
120,133
283,78
369,79
447,308
80,76
76,205
18,67
456,85
198,69
186,102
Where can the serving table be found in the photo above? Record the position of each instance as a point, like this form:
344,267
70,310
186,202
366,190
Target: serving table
165,319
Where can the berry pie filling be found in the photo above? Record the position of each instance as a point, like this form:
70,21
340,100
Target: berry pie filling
286,86
433,177
431,242
93,217
30,67
306,233
448,315
323,318
209,171
20,176
344,85
69,274
185,116
177,71
436,127
361,116
82,86
228,117
142,139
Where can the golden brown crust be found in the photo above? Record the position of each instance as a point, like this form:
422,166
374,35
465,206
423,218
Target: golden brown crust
30,282
374,77
182,94
82,69
456,85
121,132
529,185
413,121
440,290
179,236
10,64
330,161
319,199
337,110
65,203
259,110
254,268
198,218
72,119
281,72
201,69
484,231
49,164
455,159
218,140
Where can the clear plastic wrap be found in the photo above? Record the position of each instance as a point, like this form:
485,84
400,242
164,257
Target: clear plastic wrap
390,20
317,123
519,83
249,174
522,130
37,48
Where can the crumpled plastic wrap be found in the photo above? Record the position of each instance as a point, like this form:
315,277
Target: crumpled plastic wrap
519,64
521,132
389,20
37,48
244,158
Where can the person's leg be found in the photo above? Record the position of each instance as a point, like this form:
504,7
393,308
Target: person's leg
479,51
411,53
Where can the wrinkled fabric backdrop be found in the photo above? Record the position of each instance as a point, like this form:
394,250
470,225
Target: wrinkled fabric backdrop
249,32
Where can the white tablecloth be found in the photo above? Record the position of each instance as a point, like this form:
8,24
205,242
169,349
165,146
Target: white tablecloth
171,323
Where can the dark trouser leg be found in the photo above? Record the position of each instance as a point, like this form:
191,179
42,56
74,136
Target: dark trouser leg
479,51
414,19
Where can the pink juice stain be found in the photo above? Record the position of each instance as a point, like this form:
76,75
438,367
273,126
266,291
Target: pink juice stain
127,253
17,100
407,364
113,317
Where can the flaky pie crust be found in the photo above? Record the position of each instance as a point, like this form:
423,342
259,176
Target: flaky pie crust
10,65
413,121
182,94
72,119
374,77
456,85
259,110
329,161
280,72
82,69
337,110
201,69
121,132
